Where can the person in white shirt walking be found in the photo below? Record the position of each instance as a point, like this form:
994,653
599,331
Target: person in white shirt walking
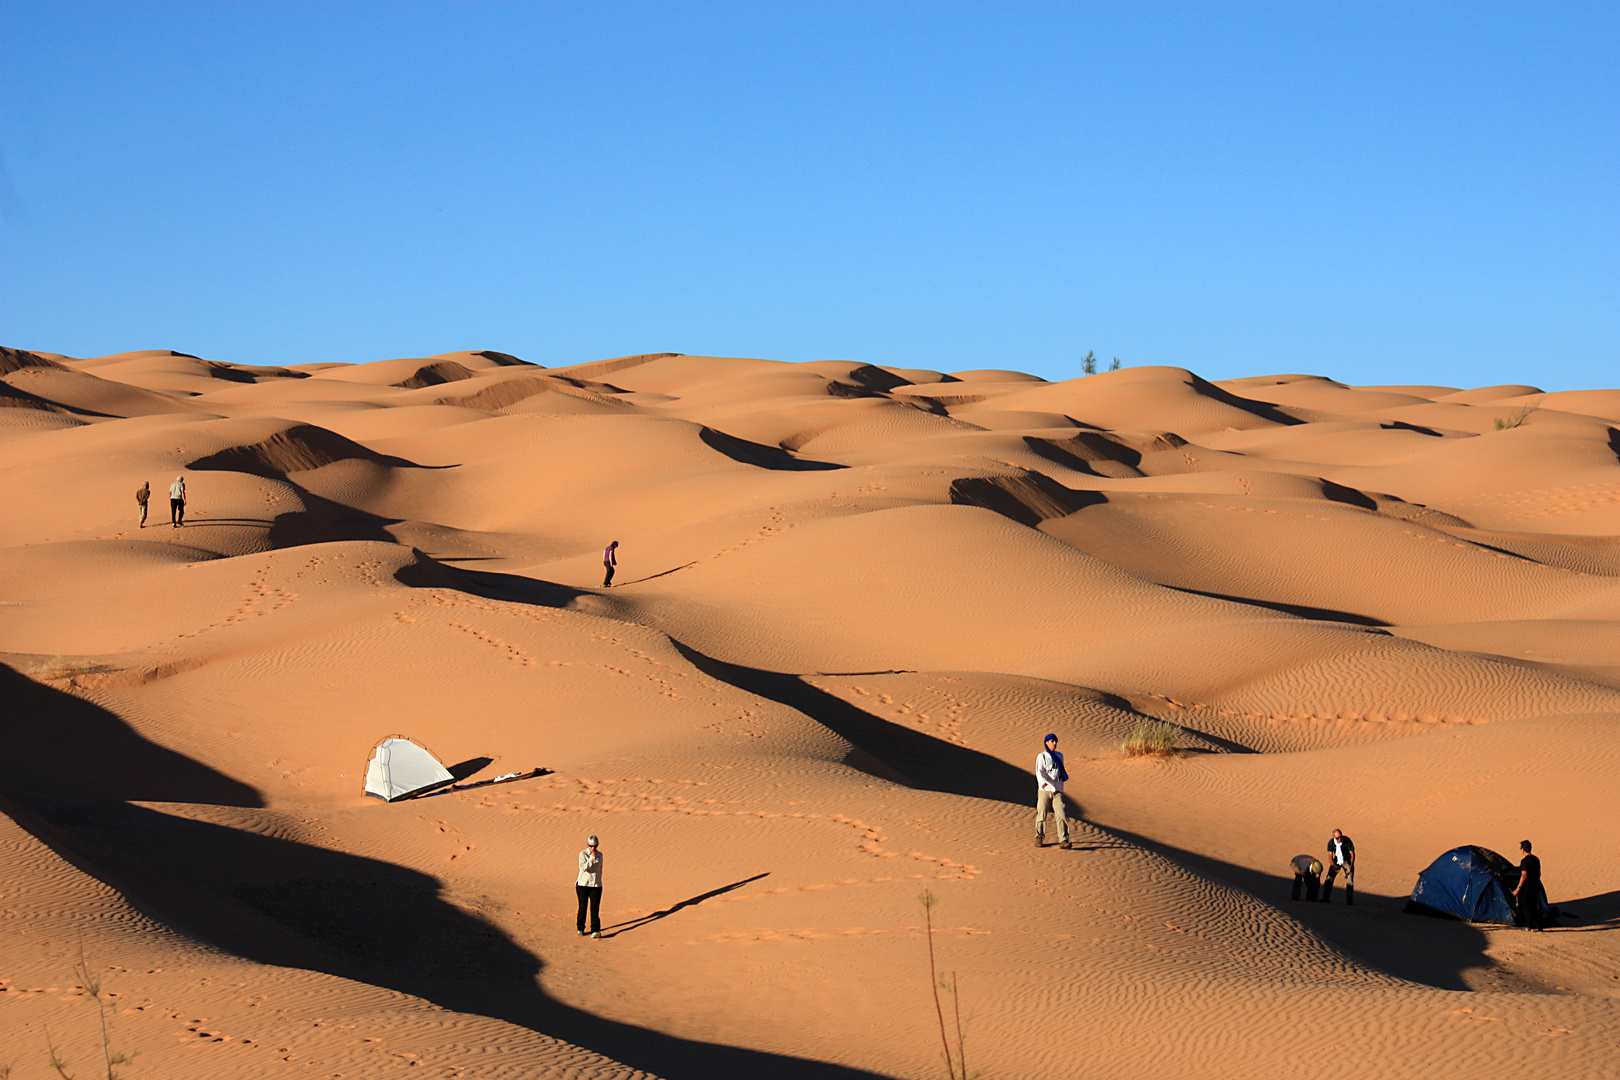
177,502
1049,778
588,887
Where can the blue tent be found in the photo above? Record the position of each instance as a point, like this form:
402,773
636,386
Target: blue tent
1472,883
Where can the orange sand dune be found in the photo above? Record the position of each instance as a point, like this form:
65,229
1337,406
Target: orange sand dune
850,600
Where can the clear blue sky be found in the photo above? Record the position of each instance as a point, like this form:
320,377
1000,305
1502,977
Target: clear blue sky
1380,193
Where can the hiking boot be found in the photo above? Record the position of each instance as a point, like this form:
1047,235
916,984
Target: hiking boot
582,933
596,934
1066,845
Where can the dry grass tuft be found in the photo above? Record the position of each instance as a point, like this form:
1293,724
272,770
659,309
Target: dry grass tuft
62,668
1150,738
1505,423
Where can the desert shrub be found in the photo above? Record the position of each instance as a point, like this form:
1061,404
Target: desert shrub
61,668
1150,738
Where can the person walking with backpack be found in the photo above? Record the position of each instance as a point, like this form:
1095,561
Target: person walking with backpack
1049,778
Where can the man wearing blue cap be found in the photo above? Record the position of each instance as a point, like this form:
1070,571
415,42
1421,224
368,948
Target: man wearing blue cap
1049,777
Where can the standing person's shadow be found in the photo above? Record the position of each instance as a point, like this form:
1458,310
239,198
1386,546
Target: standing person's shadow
635,924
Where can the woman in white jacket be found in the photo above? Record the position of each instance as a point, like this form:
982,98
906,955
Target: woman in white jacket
588,887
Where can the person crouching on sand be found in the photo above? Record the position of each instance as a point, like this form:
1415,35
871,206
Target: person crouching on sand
1307,873
177,502
142,495
1049,778
610,559
588,888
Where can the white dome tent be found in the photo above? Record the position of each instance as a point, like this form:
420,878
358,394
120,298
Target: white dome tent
400,768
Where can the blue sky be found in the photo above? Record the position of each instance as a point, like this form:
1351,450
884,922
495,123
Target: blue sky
1380,193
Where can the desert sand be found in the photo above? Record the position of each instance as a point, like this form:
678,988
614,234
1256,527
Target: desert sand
850,602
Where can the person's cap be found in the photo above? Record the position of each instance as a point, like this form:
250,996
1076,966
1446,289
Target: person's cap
590,839
1050,738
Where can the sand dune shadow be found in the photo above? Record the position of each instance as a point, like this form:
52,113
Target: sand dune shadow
912,757
278,901
54,742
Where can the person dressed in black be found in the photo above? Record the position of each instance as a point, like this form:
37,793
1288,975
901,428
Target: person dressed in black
1341,857
1307,873
1527,893
610,559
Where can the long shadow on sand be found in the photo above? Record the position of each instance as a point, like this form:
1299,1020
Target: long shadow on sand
915,758
635,924
51,742
1430,951
277,901
1594,914
761,456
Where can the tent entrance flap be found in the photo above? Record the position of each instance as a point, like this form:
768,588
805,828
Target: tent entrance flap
400,768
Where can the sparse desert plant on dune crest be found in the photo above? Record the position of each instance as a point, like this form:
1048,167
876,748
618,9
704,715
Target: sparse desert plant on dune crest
1150,738
955,1068
1517,419
1088,363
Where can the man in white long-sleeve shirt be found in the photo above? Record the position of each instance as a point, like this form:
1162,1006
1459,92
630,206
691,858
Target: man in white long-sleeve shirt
1049,778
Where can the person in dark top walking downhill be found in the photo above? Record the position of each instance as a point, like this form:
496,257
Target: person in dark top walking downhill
610,559
1307,873
177,502
1341,856
588,888
1528,893
142,495
1049,777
